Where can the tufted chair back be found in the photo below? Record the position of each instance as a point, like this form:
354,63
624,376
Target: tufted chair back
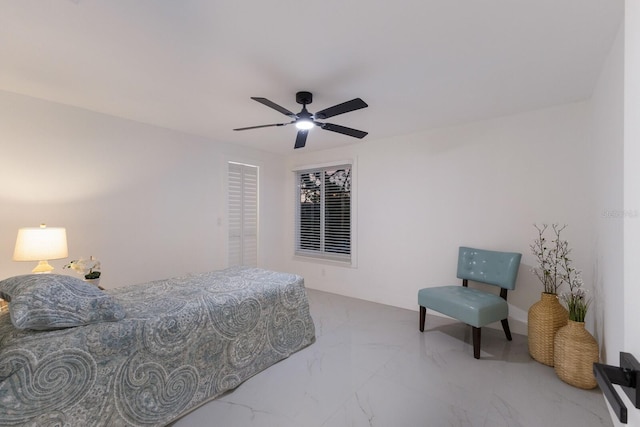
491,267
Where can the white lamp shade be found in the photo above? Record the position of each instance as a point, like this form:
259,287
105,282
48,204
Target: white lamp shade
40,243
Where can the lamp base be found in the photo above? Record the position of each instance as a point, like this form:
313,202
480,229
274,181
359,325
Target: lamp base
43,267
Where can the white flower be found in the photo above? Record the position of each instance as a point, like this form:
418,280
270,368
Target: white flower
84,266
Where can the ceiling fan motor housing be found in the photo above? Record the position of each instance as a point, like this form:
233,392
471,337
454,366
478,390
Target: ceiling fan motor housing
304,98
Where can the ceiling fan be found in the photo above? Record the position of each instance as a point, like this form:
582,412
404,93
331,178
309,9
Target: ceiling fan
305,120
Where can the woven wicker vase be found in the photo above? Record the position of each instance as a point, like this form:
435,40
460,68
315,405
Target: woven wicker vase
575,352
545,318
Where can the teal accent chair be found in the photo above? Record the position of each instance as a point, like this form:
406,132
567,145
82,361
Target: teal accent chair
473,306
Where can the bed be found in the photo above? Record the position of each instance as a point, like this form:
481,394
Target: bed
141,355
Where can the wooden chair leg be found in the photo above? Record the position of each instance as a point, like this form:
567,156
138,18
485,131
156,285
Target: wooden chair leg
505,326
423,315
476,342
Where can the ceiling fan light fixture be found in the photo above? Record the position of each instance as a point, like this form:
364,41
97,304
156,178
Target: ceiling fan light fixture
304,124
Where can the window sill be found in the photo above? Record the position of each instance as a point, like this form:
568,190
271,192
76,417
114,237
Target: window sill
325,261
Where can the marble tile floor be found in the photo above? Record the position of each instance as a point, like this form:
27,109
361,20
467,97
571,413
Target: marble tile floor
371,366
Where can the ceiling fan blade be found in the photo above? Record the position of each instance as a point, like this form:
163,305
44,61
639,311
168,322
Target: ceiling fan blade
301,139
344,130
264,126
275,106
345,107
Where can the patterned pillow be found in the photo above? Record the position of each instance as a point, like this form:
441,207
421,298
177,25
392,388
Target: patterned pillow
52,301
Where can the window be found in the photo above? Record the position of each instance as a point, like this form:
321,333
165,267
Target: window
323,219
242,190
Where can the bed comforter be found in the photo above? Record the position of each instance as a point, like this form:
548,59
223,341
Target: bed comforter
183,342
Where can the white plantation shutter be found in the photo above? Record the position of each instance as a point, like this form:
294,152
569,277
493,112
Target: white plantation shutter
242,189
323,217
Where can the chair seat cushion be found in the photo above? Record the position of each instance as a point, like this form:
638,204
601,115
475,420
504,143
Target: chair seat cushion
471,306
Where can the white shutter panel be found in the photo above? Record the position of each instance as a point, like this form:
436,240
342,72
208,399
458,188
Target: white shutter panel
234,191
250,216
309,211
337,212
242,189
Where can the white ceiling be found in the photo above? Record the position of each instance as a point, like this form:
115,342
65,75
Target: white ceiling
192,65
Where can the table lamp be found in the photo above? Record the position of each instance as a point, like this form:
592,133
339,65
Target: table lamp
41,244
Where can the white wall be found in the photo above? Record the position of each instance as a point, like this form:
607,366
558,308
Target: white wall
481,184
148,202
632,188
608,139
618,251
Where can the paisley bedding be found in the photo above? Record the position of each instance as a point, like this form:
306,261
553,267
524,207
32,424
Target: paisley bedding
181,343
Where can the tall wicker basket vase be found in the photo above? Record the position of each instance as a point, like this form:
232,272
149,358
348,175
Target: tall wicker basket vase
575,352
545,318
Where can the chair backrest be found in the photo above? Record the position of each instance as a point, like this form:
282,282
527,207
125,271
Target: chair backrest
491,267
